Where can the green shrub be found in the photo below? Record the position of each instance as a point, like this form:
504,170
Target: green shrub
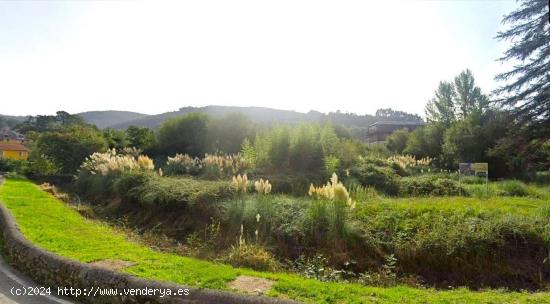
204,243
251,256
481,190
11,165
428,185
472,180
184,134
361,193
125,183
182,164
286,217
293,182
184,191
96,187
397,168
318,221
318,267
460,244
224,166
14,175
382,179
542,177
513,188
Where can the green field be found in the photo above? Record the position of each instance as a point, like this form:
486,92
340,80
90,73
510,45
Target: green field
53,225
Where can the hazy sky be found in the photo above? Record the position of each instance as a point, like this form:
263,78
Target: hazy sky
157,56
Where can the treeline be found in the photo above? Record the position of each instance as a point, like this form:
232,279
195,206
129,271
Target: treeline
464,126
9,121
60,143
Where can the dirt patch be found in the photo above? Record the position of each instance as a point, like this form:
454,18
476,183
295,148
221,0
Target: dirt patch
250,284
112,264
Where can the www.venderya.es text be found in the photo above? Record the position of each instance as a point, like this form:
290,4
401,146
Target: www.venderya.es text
98,292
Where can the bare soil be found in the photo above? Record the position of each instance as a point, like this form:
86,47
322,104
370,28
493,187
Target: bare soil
251,285
112,264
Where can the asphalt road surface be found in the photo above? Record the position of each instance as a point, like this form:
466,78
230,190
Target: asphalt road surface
12,281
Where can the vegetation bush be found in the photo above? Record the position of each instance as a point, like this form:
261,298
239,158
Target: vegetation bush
107,176
10,165
64,151
481,190
410,163
542,177
319,267
514,188
286,217
131,178
210,167
184,134
461,243
177,191
397,141
472,180
383,179
251,256
303,148
224,166
361,193
182,164
428,185
292,183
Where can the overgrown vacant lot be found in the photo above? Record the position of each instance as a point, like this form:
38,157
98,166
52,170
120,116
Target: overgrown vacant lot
499,241
56,227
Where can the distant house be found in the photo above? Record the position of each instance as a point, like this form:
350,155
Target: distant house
379,131
9,135
12,145
13,150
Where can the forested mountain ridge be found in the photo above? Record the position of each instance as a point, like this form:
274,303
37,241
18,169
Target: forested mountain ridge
104,119
121,120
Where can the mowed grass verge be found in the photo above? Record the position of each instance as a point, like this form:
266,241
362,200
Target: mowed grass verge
56,227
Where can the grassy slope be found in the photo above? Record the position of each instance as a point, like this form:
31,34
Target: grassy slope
56,227
506,204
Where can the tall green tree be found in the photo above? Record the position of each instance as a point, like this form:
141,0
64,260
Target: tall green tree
397,141
527,87
43,123
469,98
141,138
185,134
426,141
306,153
226,134
442,107
66,149
471,140
6,121
329,140
279,149
115,139
391,114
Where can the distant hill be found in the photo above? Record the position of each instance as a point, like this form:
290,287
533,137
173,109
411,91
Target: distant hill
357,124
7,121
104,119
257,114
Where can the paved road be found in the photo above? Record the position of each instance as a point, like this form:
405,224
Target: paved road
10,279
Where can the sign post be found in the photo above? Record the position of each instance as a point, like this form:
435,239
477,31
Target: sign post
474,169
